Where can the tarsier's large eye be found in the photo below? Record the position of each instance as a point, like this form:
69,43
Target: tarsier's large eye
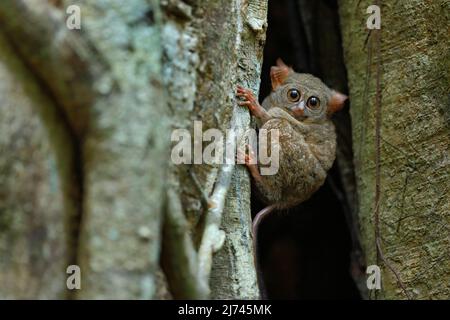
293,95
313,102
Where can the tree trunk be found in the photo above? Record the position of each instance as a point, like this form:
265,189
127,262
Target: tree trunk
33,192
86,121
401,141
208,50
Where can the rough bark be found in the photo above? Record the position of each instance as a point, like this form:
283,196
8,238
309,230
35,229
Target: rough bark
210,47
100,102
414,176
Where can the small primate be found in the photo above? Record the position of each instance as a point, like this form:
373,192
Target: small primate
299,106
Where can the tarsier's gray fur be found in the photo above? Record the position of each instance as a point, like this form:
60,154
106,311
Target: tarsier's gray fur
307,145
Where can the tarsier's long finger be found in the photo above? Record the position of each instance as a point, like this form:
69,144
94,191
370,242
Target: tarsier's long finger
249,94
251,99
246,95
245,103
241,95
243,90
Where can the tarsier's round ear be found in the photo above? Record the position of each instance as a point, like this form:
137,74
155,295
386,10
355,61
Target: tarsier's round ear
279,73
336,102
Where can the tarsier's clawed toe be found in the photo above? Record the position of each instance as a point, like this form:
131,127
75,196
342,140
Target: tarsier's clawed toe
246,157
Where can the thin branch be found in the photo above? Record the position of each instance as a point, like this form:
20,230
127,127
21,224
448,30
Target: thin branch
203,196
178,250
213,238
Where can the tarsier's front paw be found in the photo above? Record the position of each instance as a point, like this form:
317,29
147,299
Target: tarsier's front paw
248,98
246,156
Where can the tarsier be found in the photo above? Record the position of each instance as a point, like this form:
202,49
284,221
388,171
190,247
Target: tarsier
299,106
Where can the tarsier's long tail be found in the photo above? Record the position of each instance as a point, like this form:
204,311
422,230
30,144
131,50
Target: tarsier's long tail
256,221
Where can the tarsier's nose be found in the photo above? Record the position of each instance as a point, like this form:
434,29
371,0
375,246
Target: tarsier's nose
301,105
298,109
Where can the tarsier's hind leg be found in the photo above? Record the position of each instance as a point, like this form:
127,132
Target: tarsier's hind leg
265,184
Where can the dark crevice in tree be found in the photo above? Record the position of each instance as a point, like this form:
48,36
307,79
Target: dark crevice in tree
312,251
73,187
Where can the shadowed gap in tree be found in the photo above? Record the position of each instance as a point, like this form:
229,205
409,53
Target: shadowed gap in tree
305,252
